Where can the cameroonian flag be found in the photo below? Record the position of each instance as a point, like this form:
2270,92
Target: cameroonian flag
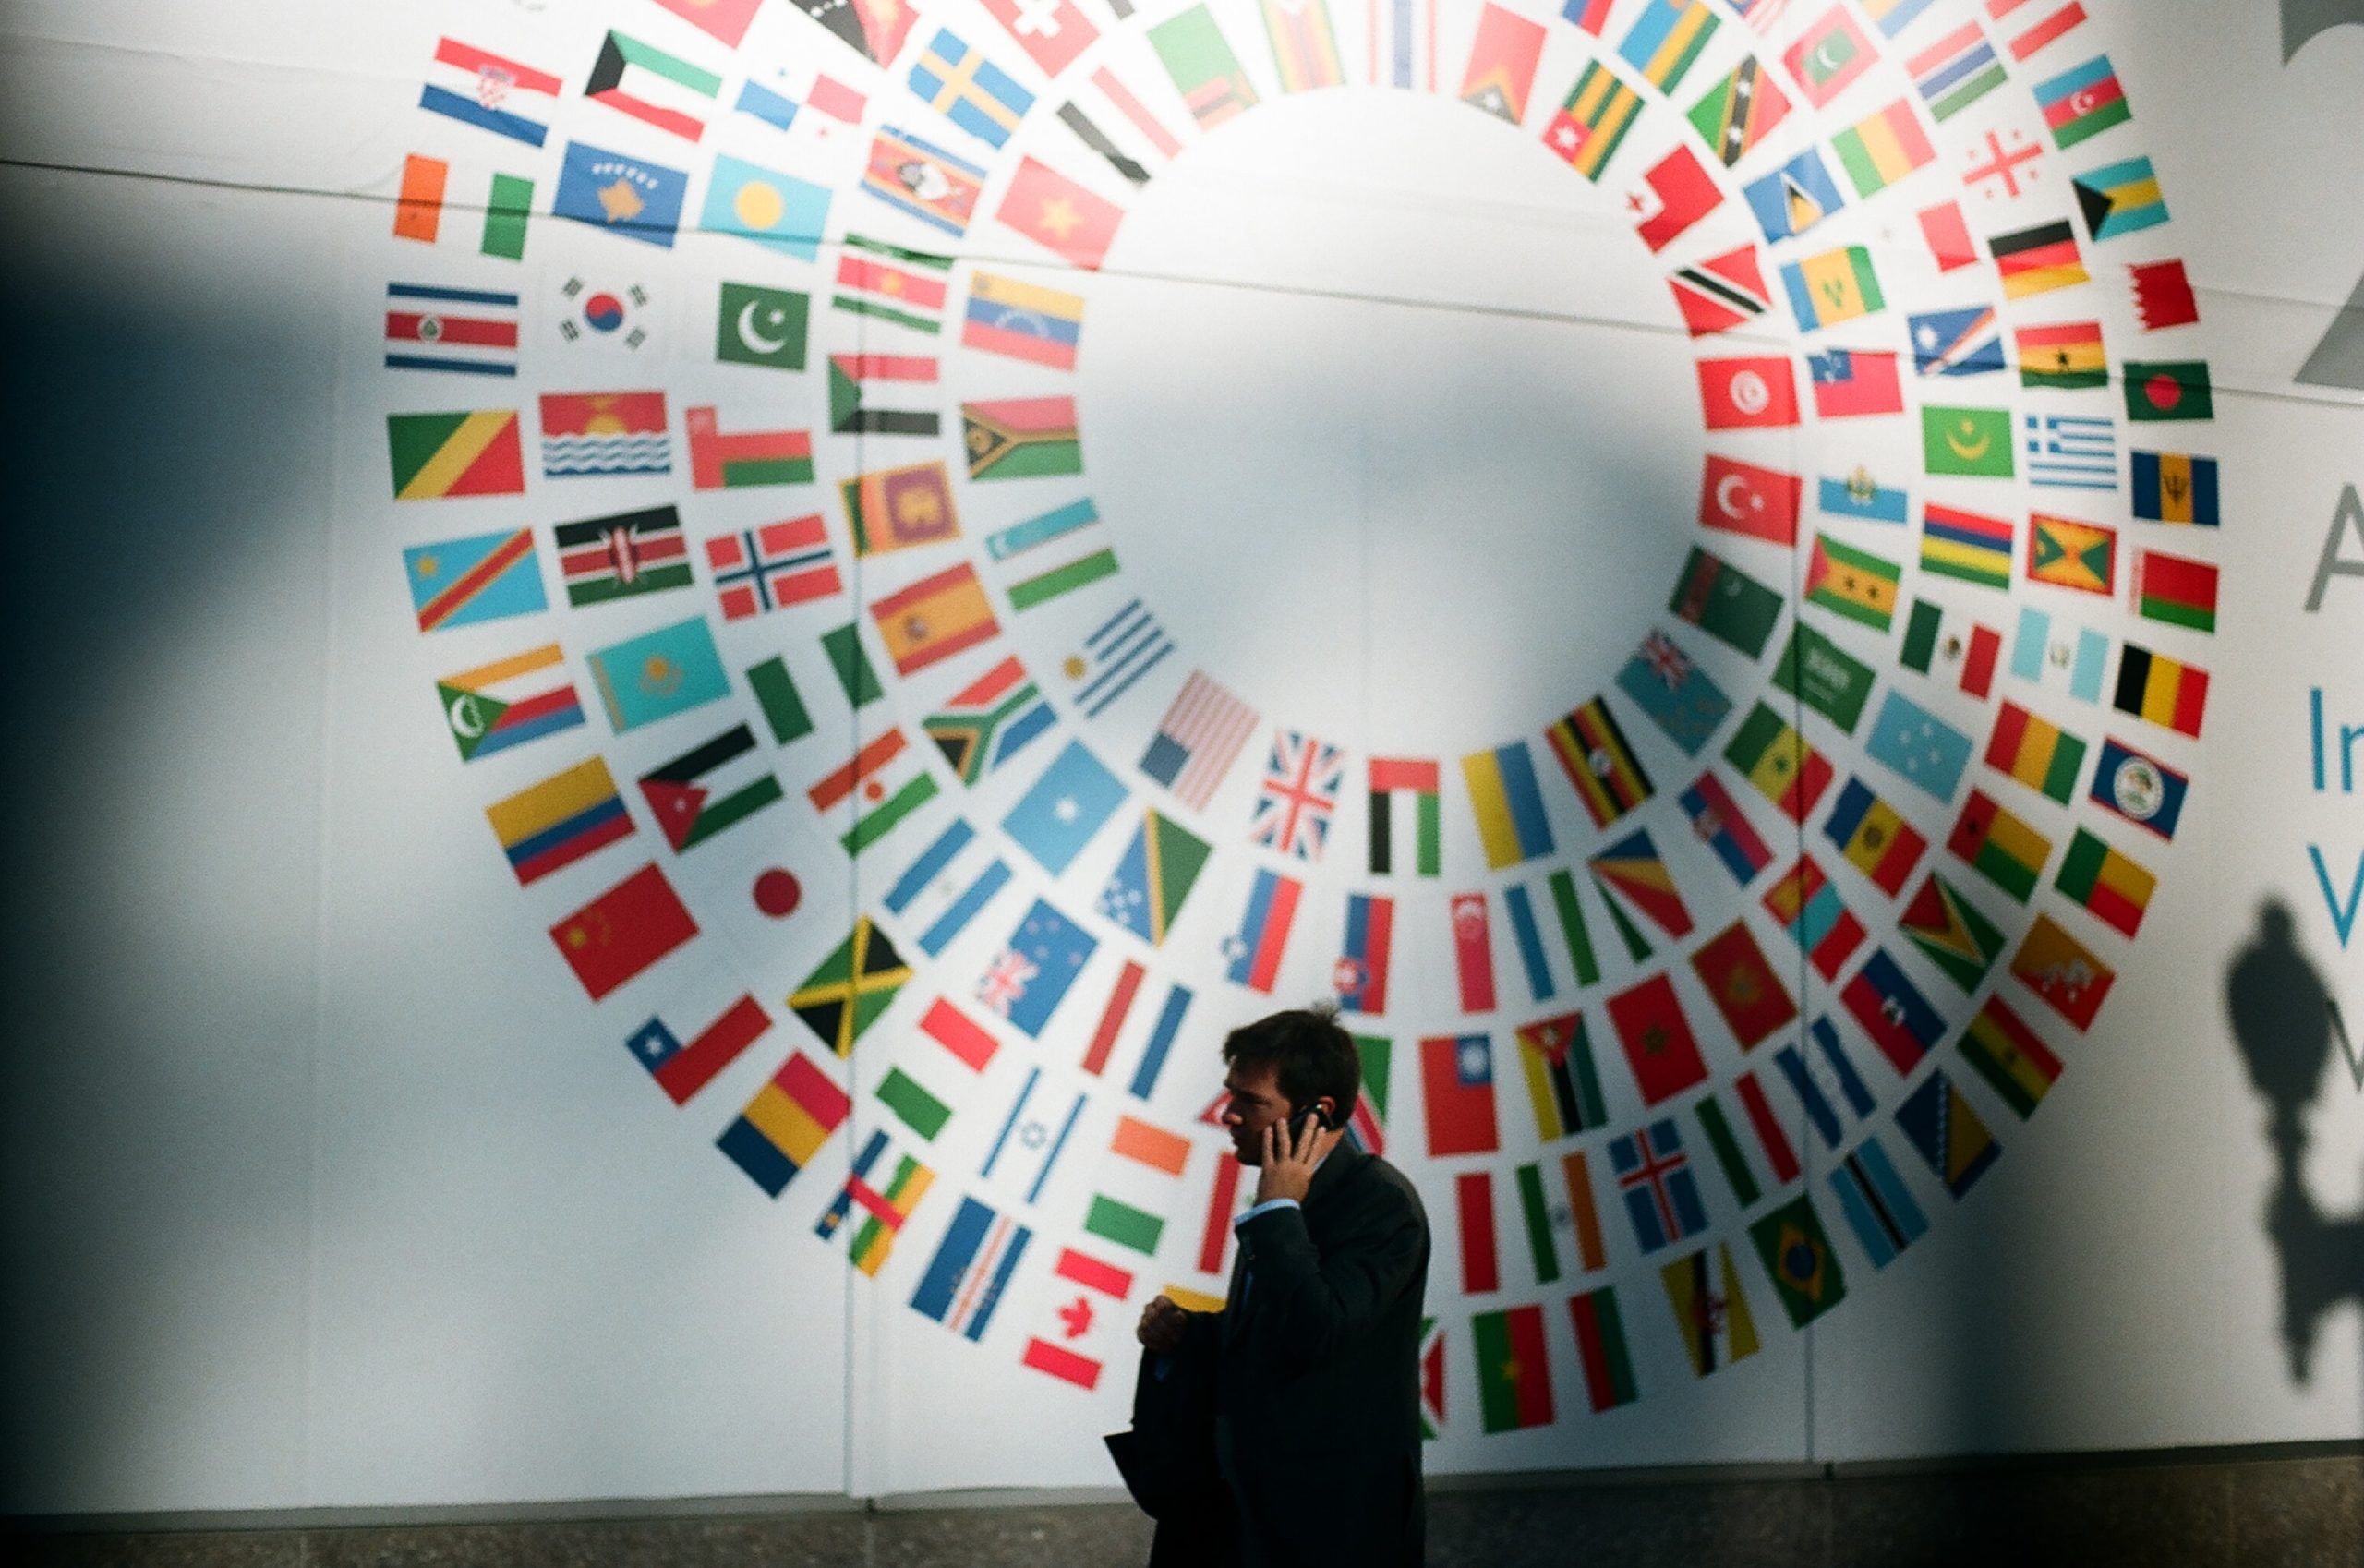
1853,583
1513,1369
2116,888
2175,590
473,454
1600,763
2069,554
2040,756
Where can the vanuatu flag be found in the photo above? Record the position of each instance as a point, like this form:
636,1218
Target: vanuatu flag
1021,437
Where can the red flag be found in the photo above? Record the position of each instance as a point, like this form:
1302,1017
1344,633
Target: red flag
1850,384
2163,296
1757,391
1060,215
623,931
1473,1194
1679,193
1658,1043
1473,952
1052,35
1457,1090
1949,237
1743,985
1740,498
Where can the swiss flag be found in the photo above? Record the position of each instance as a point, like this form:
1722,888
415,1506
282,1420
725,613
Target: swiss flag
1052,35
1680,192
1755,391
1740,498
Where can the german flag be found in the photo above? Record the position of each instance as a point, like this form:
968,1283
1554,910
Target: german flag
2037,260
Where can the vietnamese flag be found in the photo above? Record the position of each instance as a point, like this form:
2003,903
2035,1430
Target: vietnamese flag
1060,215
623,931
1740,498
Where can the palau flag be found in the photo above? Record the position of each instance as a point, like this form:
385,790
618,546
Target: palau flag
777,211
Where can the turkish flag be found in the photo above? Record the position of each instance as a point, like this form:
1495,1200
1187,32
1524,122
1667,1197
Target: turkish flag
1752,392
1740,498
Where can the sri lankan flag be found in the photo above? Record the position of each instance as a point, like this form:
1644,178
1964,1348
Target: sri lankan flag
2069,554
1599,111
1593,750
2161,691
844,995
2066,354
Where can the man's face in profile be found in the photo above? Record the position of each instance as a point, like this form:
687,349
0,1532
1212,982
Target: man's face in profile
1255,1105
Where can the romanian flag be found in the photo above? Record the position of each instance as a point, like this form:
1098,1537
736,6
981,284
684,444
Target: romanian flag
2019,1067
2175,590
2040,755
2113,886
1976,548
2067,355
1999,847
1743,984
1599,111
1882,150
2036,261
1853,583
1876,841
935,618
784,1125
2057,966
1607,775
2161,691
1513,1369
2069,554
1508,804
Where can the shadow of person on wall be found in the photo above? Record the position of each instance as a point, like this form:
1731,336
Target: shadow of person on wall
2283,1019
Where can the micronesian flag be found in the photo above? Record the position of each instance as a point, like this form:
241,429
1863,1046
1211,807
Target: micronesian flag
1925,749
1065,807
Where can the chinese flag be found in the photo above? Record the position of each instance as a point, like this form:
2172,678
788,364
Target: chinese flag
623,931
1055,213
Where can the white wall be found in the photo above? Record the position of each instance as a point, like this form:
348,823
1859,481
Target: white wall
332,1189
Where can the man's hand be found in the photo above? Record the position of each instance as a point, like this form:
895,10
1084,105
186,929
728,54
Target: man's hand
1287,1170
1163,1324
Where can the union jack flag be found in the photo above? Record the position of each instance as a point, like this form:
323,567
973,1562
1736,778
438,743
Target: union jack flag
1301,792
1005,981
1666,661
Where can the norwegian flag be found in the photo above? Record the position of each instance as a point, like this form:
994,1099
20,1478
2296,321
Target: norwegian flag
1299,796
779,563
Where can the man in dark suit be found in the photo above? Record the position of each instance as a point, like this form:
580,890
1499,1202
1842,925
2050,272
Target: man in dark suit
1284,1431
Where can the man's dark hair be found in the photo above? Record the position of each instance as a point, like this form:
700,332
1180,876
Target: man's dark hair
1311,1057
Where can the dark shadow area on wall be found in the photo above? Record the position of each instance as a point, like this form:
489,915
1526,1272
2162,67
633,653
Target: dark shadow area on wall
2284,1017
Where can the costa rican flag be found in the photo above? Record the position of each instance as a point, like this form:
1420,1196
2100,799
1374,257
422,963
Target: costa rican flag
1300,791
779,563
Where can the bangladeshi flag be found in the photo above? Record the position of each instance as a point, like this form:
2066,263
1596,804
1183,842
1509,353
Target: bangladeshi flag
1513,1369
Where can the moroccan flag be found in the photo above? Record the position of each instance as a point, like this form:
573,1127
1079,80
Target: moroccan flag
1743,984
439,456
1513,1369
2161,691
2116,889
1796,1253
2040,755
2174,589
1659,1046
1060,215
1999,847
623,931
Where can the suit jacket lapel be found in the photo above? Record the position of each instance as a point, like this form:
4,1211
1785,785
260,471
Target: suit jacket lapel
1326,1181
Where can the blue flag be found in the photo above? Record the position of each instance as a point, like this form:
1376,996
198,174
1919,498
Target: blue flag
1926,750
1029,977
658,674
629,195
778,211
1053,820
1680,697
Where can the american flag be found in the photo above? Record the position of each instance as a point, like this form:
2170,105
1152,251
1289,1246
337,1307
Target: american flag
1198,741
1299,793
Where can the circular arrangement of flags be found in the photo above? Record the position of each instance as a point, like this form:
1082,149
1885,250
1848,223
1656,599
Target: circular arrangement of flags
918,869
